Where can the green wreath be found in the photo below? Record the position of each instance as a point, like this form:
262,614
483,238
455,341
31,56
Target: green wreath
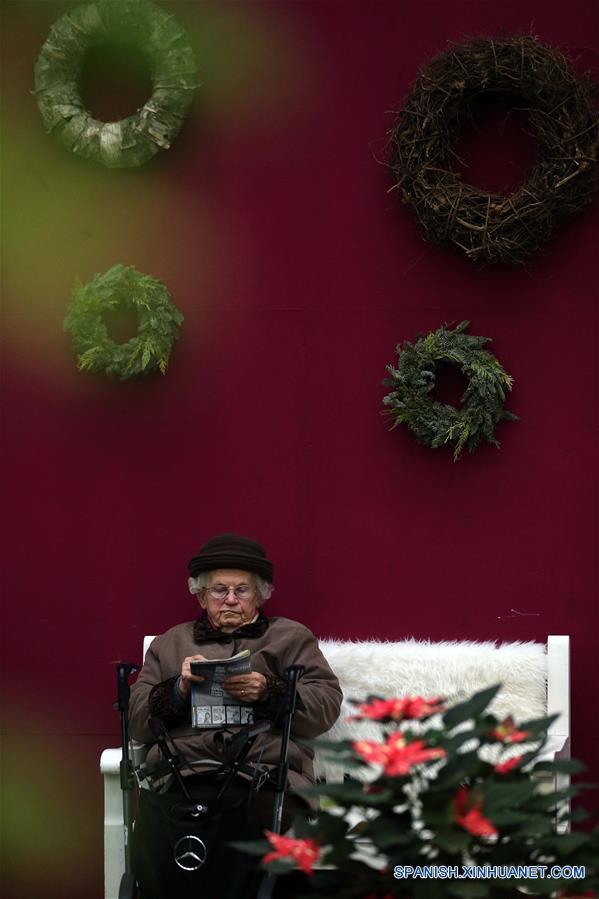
166,47
436,424
123,287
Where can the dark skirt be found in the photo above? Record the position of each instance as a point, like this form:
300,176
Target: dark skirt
164,827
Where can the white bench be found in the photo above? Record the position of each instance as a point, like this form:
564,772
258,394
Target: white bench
535,679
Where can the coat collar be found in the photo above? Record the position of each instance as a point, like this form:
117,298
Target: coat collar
203,632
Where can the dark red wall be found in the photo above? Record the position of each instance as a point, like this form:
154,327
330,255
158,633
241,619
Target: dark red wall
298,273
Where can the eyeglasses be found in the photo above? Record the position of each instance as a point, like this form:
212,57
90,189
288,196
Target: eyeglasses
219,591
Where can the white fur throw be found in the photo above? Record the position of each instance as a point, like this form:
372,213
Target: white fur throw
453,670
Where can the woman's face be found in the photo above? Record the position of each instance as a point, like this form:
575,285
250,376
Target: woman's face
231,599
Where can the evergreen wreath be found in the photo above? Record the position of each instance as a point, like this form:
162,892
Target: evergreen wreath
437,424
562,118
166,47
123,287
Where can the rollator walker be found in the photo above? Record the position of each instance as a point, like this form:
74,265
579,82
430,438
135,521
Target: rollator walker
194,848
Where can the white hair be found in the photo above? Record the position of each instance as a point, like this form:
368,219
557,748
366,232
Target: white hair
202,582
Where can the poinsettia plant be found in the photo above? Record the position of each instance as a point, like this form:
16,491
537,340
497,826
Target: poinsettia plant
443,791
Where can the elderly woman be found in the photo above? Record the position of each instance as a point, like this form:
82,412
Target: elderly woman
232,578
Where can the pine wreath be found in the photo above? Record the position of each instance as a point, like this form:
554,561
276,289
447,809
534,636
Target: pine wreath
166,47
123,287
436,424
562,118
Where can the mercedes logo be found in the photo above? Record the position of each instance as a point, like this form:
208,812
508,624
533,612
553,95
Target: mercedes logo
190,852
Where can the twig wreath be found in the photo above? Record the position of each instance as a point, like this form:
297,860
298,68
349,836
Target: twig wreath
491,228
123,287
436,424
166,47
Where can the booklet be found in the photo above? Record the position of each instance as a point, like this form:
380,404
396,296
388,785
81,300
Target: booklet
211,705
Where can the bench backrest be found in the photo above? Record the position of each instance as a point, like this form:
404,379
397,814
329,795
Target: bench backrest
534,678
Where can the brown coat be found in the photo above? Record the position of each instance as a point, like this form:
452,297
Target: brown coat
275,643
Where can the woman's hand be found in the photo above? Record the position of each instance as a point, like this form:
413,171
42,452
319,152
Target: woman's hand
249,687
186,678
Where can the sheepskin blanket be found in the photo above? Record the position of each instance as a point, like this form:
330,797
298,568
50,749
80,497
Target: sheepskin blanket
453,670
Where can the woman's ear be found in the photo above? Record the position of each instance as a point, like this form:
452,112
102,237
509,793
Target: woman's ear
201,599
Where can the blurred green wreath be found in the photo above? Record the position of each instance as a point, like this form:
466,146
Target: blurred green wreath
437,424
166,47
123,287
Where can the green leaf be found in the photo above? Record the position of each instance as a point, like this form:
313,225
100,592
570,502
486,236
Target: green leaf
560,766
470,889
534,825
252,847
279,865
544,801
453,841
568,842
347,794
538,726
385,832
504,817
453,743
504,793
456,769
577,814
471,708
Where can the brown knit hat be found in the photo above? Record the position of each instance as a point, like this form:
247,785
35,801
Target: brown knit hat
232,551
